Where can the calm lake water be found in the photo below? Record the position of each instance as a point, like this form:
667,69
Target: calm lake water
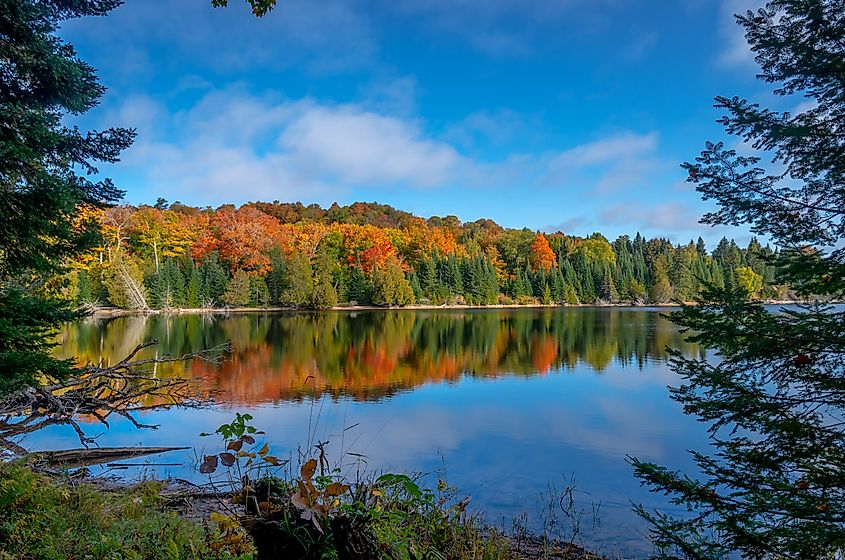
501,403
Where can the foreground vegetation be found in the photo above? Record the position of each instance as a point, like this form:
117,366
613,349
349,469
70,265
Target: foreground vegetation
257,506
55,518
46,519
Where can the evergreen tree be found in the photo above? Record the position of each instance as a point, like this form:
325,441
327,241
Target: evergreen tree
570,296
492,283
608,290
661,289
276,278
166,288
450,275
299,286
774,487
175,281
557,285
473,281
193,291
157,290
214,280
238,293
360,289
325,295
681,276
84,291
44,178
546,296
259,294
390,287
414,281
430,286
700,247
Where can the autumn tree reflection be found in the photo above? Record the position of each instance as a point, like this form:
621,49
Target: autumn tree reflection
369,355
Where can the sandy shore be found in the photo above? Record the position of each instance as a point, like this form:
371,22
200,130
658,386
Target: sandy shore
117,312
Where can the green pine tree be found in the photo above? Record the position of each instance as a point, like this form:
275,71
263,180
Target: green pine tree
390,287
238,292
277,277
193,291
359,288
214,280
45,179
325,271
259,295
84,291
299,287
774,484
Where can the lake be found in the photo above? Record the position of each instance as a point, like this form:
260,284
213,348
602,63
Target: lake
503,403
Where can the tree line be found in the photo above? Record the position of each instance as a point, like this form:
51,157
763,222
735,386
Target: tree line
286,254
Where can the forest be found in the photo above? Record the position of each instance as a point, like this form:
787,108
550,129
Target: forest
168,256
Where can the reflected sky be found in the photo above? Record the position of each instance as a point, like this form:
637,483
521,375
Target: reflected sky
502,403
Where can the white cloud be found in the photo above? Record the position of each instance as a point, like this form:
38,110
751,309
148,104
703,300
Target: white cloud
500,127
607,150
804,106
668,216
390,94
736,51
354,146
624,160
232,146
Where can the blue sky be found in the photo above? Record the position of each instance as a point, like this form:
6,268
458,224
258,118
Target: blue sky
549,114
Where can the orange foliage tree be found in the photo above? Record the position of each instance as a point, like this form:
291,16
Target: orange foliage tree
542,256
368,245
243,237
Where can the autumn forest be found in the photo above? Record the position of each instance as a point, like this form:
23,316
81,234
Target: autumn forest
287,254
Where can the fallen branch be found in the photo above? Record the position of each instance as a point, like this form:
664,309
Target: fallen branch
98,392
73,458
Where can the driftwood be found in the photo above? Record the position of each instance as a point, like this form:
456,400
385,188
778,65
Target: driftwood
97,393
83,457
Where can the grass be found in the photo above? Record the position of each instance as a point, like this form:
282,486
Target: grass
46,519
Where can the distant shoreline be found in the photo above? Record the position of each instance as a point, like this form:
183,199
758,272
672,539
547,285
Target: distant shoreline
118,312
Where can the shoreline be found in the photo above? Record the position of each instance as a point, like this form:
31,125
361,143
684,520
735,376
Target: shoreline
198,503
213,513
104,312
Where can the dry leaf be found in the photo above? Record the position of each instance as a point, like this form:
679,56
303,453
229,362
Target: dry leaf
209,464
308,469
335,489
227,459
298,501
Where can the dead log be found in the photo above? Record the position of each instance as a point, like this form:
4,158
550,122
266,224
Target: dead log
83,457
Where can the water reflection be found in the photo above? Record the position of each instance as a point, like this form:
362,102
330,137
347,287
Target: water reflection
504,401
373,354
